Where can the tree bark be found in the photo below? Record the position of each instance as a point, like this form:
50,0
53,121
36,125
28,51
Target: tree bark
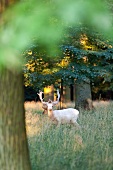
13,140
83,97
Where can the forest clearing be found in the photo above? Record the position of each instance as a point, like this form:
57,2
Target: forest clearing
67,147
56,52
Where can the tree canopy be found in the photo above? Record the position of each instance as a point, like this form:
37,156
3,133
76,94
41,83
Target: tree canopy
47,20
85,54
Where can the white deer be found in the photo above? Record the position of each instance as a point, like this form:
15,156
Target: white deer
68,115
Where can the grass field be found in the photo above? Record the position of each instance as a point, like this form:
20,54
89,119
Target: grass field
67,147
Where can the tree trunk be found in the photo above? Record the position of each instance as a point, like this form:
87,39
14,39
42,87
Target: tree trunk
83,97
13,140
61,95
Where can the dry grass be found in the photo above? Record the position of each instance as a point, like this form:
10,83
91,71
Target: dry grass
33,105
101,103
33,116
34,110
69,148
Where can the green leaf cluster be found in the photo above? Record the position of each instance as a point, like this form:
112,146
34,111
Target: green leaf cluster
46,20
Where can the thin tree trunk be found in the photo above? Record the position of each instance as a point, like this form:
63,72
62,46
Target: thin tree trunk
13,140
61,95
83,97
67,94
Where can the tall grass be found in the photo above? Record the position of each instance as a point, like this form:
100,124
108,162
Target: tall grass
68,148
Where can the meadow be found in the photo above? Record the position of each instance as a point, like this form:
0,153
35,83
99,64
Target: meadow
68,147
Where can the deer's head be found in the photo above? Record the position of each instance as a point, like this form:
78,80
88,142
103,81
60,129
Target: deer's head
49,104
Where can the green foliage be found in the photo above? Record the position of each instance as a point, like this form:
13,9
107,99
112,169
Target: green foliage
46,23
39,68
75,62
91,56
28,19
46,20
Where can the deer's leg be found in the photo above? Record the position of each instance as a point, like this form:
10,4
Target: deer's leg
74,122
